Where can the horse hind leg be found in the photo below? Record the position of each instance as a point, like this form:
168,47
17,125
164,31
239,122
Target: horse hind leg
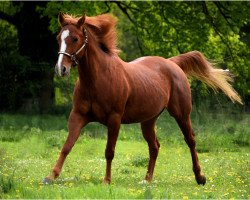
148,130
180,106
189,137
114,122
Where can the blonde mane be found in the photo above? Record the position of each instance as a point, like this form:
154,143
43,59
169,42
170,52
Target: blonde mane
103,27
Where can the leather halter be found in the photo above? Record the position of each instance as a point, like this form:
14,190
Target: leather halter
73,56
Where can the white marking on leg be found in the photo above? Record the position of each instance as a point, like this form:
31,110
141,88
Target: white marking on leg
64,35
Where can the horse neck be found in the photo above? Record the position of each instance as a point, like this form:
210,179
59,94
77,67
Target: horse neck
90,65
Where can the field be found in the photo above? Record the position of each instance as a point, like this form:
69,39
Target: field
29,147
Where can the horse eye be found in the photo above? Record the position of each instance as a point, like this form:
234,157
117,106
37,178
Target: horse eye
75,39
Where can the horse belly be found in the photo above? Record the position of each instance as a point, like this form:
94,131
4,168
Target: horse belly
148,107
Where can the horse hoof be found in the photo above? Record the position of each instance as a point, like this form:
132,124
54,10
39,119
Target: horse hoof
47,181
201,181
106,182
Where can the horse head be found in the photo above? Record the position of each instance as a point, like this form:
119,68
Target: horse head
72,41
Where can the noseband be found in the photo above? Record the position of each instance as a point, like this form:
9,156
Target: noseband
73,56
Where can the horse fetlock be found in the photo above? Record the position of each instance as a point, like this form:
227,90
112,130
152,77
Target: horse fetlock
55,173
148,177
106,181
200,179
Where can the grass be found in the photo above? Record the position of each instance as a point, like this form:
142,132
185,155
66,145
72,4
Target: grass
29,147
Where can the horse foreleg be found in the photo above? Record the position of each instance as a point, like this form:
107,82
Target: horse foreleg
188,133
113,131
148,130
75,123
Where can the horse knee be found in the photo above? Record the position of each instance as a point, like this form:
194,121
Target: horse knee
109,154
153,151
190,142
65,150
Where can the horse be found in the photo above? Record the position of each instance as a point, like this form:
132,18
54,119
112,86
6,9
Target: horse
114,92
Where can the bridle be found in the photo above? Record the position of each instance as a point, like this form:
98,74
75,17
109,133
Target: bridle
73,56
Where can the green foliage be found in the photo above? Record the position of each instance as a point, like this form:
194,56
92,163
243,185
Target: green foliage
74,8
10,70
140,161
6,184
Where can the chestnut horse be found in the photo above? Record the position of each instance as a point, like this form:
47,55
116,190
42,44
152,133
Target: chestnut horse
111,91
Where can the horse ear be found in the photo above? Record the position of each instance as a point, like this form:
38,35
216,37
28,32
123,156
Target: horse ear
61,19
81,21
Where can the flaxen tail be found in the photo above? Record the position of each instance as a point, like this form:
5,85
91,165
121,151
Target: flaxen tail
196,65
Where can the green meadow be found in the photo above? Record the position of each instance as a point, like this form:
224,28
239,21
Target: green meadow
30,145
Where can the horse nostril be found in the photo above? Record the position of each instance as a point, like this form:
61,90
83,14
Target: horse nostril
64,69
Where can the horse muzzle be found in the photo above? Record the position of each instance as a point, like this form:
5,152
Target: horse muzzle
62,70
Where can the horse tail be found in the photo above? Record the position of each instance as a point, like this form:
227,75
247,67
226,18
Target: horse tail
194,64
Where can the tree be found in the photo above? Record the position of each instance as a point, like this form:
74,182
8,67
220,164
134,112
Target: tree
33,78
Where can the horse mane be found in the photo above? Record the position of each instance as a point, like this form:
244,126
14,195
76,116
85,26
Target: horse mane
103,27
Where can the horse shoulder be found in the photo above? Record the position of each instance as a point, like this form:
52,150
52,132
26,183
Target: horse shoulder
81,103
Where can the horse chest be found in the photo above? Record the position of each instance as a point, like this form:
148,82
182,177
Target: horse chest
98,113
